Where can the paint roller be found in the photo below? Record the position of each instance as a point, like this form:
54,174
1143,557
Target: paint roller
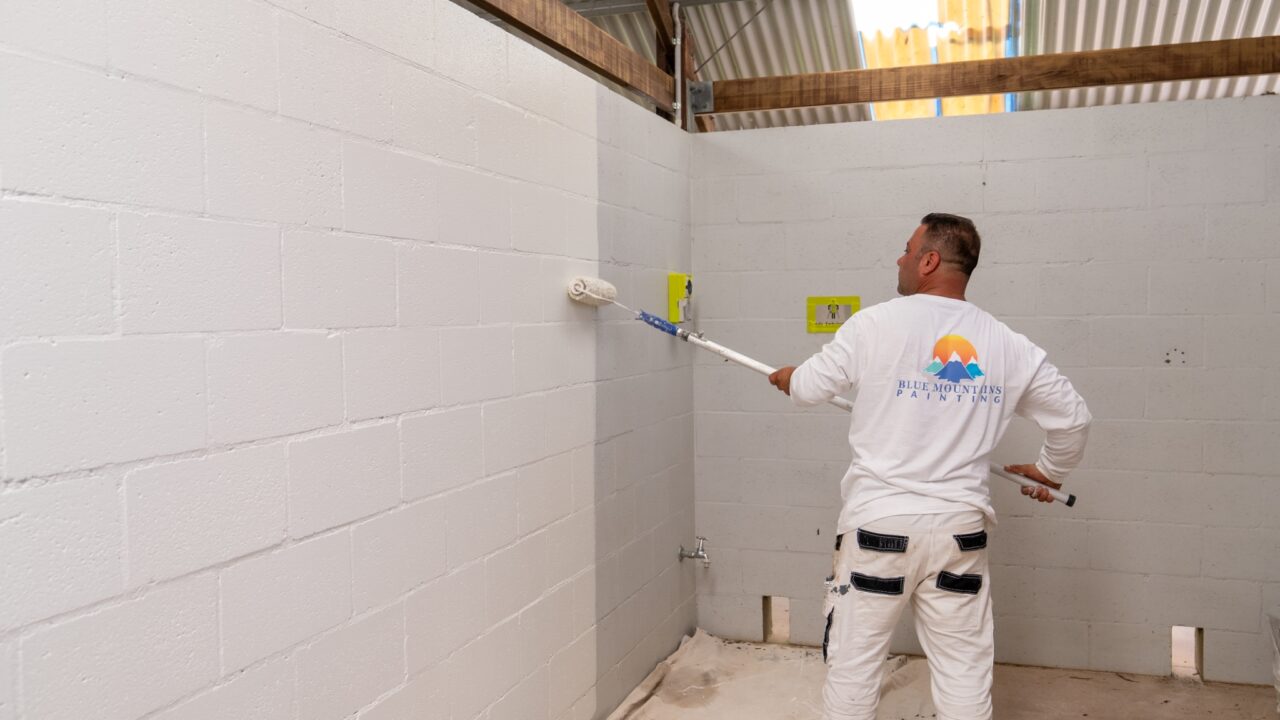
597,293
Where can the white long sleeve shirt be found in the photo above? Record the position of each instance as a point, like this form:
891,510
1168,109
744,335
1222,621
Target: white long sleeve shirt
937,382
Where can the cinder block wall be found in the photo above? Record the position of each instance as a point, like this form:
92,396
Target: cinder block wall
1137,244
297,419
644,408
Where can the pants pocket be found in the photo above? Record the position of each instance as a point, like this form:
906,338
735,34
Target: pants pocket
878,564
965,584
882,542
879,585
971,542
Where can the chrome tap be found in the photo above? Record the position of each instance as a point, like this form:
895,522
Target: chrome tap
699,553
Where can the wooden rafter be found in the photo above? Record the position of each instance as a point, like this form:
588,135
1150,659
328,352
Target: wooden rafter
1156,63
553,23
660,11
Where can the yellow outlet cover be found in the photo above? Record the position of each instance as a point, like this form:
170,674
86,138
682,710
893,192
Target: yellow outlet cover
828,312
679,294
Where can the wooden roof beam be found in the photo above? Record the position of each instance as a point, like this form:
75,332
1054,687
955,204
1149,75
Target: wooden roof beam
1124,66
553,23
660,11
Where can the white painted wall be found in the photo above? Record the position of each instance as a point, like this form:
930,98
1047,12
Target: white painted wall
297,420
1117,238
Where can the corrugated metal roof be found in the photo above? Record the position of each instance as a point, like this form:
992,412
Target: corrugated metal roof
1055,26
788,37
800,36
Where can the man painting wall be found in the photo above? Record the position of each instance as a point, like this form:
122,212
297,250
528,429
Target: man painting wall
938,381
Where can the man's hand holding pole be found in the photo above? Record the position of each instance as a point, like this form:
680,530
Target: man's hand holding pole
1033,472
781,378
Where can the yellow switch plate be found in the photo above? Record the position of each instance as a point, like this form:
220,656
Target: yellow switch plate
679,295
827,313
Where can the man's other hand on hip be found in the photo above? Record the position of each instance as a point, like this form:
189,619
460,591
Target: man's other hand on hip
1033,472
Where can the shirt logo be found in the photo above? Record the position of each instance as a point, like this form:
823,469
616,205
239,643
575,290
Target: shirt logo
954,360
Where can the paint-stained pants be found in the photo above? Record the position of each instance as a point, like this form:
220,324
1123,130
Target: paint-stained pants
938,563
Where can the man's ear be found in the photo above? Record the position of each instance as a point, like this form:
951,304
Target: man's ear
929,261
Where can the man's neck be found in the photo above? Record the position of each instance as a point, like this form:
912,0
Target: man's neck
955,293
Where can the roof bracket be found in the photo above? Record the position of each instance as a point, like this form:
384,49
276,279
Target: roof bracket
701,97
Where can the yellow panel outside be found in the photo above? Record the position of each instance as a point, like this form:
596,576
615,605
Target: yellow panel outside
980,33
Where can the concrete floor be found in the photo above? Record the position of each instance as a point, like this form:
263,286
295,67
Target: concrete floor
711,679
1050,694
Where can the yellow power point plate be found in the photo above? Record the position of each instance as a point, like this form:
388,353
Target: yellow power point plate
679,295
828,313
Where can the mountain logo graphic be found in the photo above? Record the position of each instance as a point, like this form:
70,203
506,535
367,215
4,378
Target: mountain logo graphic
954,360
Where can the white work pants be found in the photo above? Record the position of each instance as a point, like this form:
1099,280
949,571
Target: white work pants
938,563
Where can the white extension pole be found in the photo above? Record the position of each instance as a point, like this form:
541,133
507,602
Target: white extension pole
1065,498
597,292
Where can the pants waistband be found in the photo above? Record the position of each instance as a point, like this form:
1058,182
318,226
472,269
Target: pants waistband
927,522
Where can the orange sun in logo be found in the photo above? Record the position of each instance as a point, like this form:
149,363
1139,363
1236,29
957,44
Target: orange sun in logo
949,344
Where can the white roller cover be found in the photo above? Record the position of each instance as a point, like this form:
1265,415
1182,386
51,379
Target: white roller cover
592,291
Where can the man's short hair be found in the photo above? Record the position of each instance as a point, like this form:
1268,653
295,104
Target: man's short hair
954,237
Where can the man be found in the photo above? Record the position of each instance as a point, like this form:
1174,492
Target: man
937,382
